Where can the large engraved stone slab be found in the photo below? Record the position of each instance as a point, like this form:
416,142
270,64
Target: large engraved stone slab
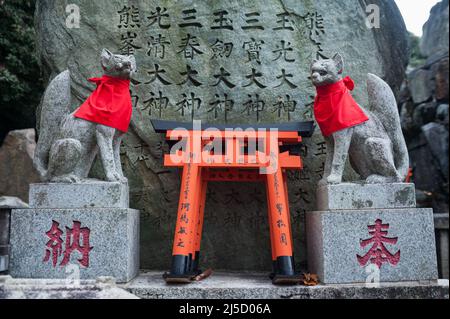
65,243
92,194
384,245
349,196
219,61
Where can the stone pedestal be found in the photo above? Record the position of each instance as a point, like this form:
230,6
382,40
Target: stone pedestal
441,229
358,239
84,195
76,231
7,203
4,239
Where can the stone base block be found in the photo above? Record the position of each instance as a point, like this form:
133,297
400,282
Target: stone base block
90,194
75,243
365,196
385,245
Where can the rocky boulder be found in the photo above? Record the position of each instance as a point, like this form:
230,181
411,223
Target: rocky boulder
221,62
424,113
16,164
434,41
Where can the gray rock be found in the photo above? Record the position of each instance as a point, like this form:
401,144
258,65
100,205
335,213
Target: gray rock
91,194
221,285
435,31
336,239
16,164
442,80
442,114
437,138
113,239
441,227
420,85
424,113
427,174
8,202
235,213
5,215
348,196
441,221
409,126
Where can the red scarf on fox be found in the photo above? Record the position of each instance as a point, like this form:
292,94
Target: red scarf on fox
110,103
335,109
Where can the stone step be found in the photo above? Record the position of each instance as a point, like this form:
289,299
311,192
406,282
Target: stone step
230,285
11,288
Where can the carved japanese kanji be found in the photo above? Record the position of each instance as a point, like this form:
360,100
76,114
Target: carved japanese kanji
378,254
77,239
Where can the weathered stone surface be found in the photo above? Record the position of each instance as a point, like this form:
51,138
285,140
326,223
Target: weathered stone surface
424,113
442,114
435,31
59,289
222,285
437,138
442,80
150,285
9,202
235,214
352,196
420,85
16,164
113,237
335,240
427,174
441,228
91,194
4,238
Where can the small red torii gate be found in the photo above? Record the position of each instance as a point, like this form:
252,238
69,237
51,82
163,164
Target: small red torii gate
266,163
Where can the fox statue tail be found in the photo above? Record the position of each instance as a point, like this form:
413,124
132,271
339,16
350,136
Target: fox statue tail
384,106
55,106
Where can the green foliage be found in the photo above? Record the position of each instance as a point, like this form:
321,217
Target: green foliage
21,84
417,59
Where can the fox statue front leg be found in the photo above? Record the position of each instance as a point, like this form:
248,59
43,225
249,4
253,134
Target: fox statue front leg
341,143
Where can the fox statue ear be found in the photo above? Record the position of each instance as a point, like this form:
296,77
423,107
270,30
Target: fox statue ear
314,62
106,58
339,61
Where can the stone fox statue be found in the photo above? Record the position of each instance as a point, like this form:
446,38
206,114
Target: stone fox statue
69,142
373,139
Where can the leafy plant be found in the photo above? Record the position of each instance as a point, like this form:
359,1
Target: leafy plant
416,59
21,84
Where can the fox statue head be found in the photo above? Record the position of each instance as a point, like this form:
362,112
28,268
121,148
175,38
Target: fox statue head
328,71
120,66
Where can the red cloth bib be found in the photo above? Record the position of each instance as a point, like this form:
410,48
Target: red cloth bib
110,103
335,109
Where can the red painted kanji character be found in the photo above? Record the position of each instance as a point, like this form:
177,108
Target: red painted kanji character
73,243
54,245
378,254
